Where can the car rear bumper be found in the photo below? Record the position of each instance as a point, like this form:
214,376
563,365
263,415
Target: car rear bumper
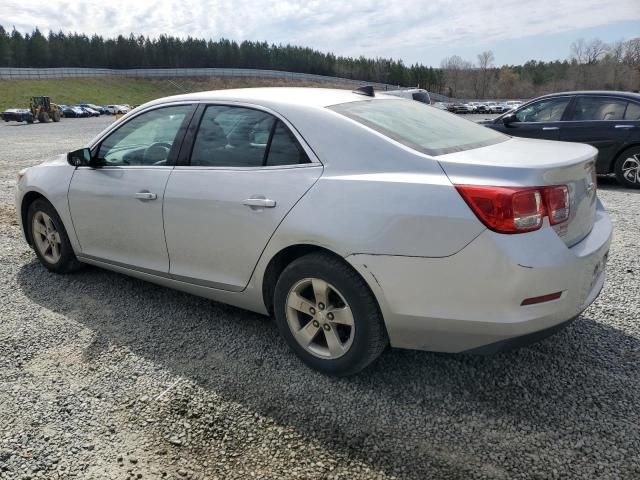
472,299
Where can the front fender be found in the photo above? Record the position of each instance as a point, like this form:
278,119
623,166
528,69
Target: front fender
49,180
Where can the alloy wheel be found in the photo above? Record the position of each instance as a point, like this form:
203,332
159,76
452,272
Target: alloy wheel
319,318
631,169
46,237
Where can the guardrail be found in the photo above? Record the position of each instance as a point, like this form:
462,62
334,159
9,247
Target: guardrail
68,72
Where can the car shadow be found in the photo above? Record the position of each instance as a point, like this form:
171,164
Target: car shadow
384,415
609,182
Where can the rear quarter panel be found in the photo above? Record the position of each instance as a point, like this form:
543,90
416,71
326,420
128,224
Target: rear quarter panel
375,196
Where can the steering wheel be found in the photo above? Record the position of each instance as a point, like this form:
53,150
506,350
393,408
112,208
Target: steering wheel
156,153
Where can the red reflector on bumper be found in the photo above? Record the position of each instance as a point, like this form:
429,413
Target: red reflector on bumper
542,299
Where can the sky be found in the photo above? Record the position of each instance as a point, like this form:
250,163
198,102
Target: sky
413,31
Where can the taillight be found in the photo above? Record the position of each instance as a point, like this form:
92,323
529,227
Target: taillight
557,201
516,209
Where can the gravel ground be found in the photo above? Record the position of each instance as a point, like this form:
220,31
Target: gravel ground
107,377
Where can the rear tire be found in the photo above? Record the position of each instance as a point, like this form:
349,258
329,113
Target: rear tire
49,238
627,168
43,117
340,335
56,116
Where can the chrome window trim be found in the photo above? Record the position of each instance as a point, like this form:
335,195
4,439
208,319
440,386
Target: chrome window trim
228,103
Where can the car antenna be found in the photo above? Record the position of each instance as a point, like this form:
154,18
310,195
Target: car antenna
365,90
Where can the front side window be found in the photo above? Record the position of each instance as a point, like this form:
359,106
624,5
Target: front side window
144,140
598,108
418,126
244,137
549,110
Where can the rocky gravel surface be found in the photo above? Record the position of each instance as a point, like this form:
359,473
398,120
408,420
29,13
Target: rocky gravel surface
107,377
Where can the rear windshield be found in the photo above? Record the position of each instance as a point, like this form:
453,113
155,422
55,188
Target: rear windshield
419,126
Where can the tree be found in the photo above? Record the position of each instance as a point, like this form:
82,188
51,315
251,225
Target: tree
485,62
5,48
453,68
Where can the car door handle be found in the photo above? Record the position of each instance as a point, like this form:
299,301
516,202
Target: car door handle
260,202
145,196
549,128
624,126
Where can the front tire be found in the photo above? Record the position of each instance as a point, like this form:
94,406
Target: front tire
49,238
627,168
328,315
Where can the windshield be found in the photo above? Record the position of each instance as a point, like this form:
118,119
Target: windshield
418,126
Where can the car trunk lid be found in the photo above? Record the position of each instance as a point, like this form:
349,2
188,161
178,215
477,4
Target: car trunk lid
521,162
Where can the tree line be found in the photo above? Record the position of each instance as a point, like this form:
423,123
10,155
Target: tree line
591,65
79,50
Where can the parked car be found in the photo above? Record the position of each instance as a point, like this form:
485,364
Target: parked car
97,108
17,115
113,109
512,105
610,121
336,212
460,108
73,112
418,94
89,111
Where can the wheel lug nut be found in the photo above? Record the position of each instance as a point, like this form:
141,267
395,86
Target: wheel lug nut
321,306
326,326
330,316
316,323
312,311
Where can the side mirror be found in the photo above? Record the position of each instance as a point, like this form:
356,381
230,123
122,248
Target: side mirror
82,158
79,158
509,118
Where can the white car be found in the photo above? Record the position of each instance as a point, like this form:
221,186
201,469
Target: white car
336,212
512,105
113,109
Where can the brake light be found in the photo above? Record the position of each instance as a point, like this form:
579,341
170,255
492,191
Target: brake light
557,202
516,209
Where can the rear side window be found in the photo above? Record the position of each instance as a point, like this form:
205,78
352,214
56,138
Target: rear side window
421,97
231,137
284,149
419,126
633,112
548,110
244,137
598,108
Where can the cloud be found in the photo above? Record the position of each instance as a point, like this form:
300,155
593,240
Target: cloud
354,28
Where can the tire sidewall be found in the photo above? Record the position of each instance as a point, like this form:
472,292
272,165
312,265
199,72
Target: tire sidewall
67,256
355,295
618,167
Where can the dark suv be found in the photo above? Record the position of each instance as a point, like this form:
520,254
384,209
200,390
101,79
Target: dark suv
610,121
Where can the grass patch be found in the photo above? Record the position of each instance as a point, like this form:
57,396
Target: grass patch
134,91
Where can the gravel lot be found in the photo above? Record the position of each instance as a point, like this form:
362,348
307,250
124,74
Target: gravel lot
107,377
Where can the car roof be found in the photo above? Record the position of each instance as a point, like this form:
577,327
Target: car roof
302,96
605,93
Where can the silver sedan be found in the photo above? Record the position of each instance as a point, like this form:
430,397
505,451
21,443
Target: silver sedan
357,220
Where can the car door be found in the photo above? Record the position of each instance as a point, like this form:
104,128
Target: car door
117,208
246,170
600,122
541,119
